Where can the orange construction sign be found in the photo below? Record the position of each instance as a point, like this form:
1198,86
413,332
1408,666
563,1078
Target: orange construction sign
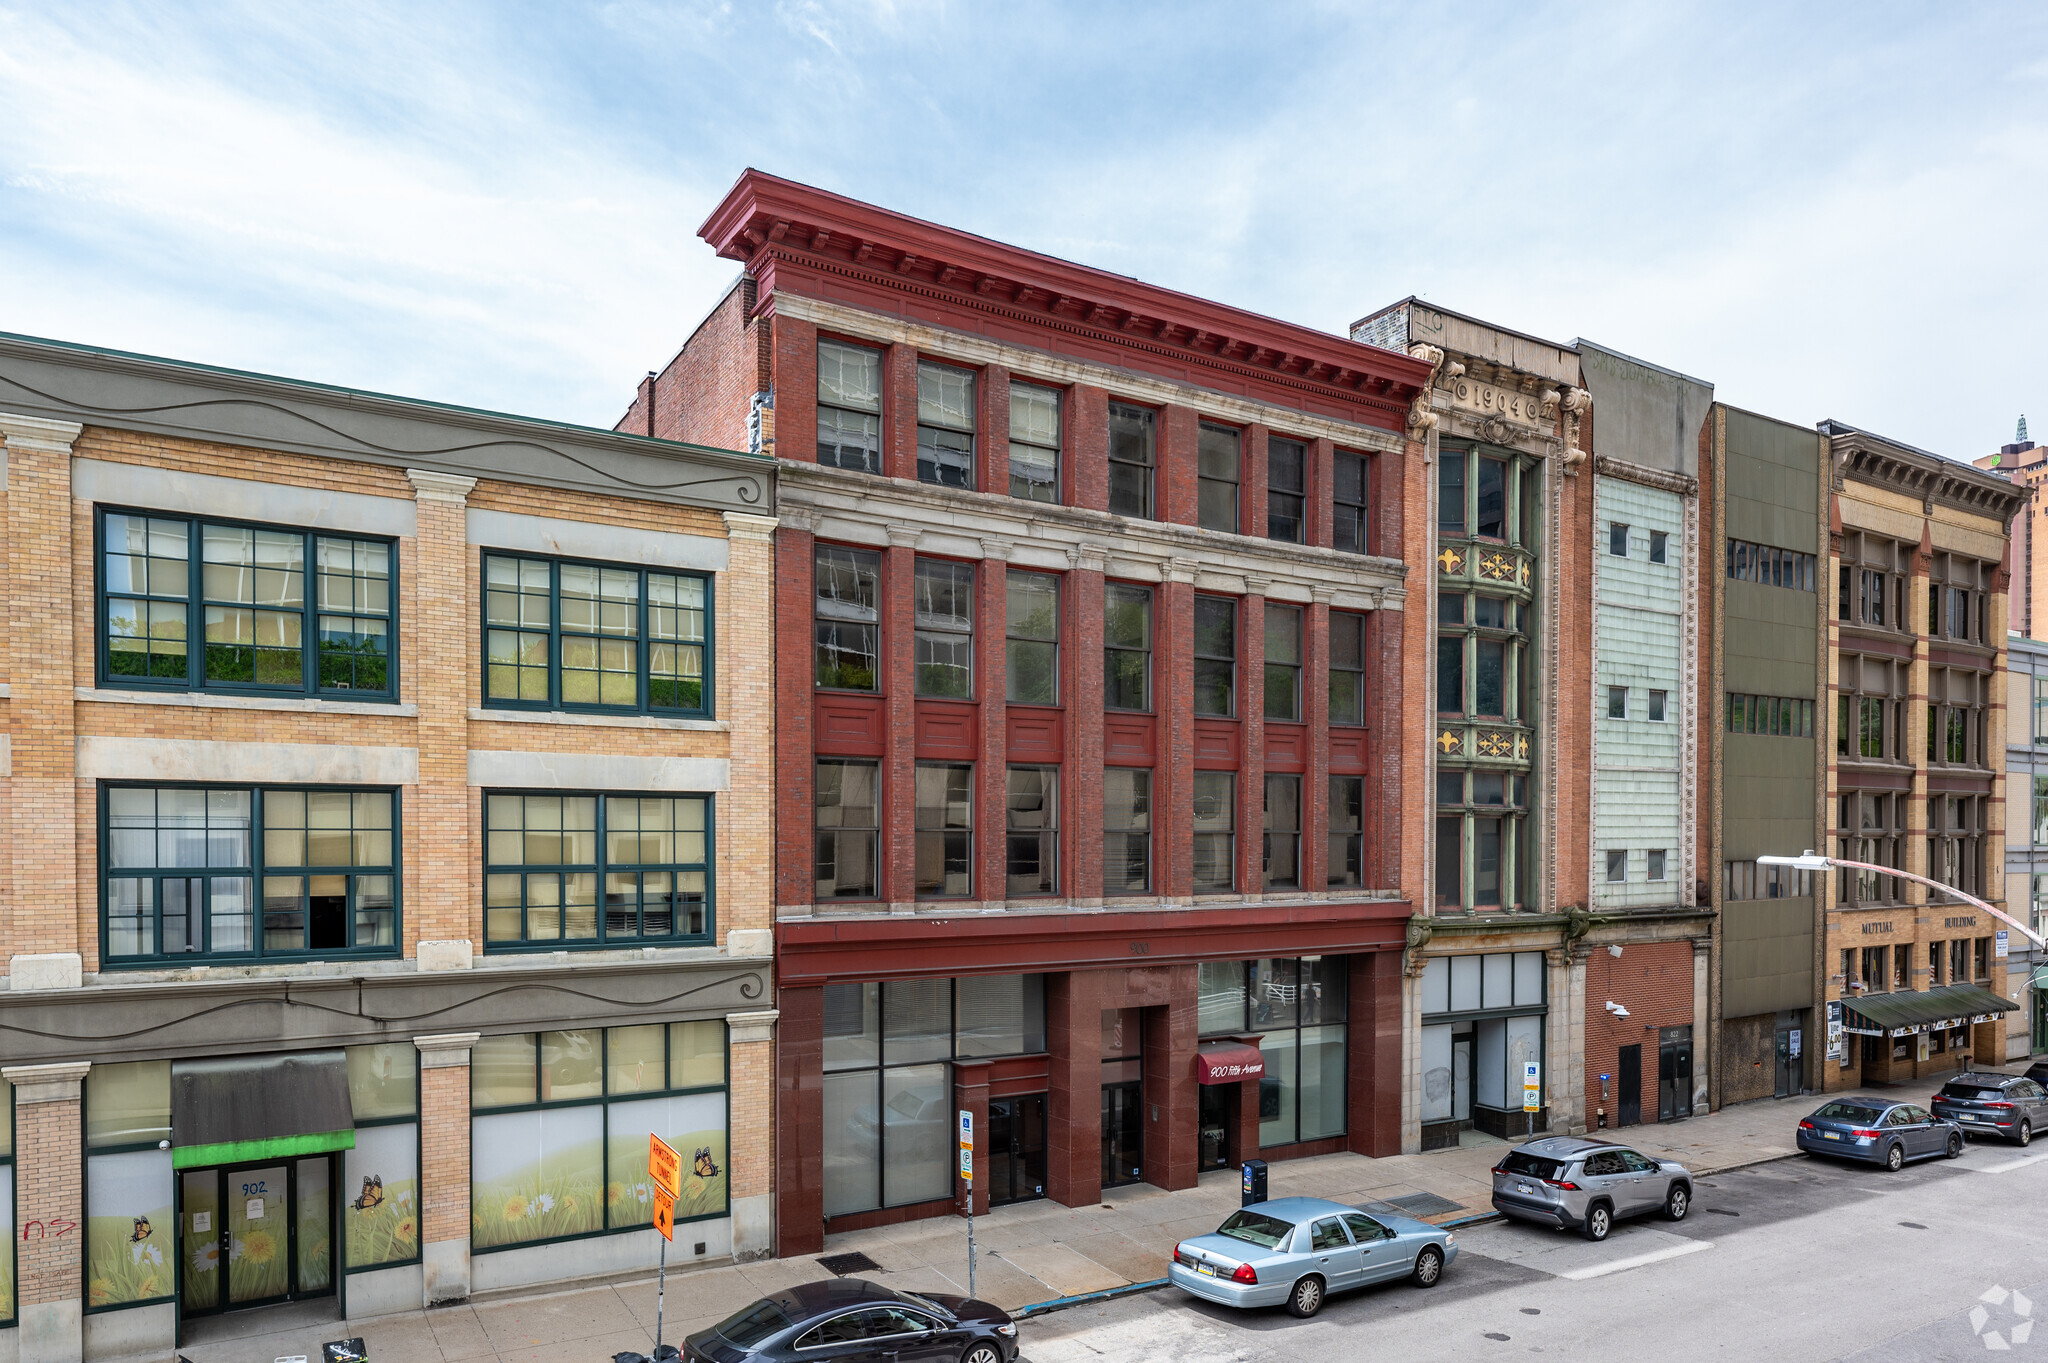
665,1215
664,1166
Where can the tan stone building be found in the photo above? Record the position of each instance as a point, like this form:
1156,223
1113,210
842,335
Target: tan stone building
386,788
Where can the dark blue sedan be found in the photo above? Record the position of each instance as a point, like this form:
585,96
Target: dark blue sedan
1879,1132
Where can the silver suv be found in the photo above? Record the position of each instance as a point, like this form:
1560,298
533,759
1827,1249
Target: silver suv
1587,1185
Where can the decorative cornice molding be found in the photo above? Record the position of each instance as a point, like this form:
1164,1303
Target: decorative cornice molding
445,1050
996,547
742,1028
1607,466
38,433
1179,570
58,1083
430,486
1577,402
904,536
1877,462
739,525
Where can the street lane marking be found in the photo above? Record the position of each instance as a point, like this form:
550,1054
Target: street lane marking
1636,1261
2020,1163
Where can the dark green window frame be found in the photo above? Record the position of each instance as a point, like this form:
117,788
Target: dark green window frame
317,662
7,1171
647,697
257,871
600,869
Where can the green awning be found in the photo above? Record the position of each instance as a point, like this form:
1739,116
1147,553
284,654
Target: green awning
1922,1010
244,1108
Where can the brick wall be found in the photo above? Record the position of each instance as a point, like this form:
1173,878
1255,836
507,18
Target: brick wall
1654,981
703,395
48,1188
444,1151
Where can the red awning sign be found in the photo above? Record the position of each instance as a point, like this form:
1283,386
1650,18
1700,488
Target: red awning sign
1228,1064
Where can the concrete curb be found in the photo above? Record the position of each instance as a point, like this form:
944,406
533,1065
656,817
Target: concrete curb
1107,1294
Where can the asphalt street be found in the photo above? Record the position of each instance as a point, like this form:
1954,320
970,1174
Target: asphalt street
1799,1259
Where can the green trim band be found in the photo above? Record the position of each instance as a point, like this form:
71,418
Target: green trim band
277,1147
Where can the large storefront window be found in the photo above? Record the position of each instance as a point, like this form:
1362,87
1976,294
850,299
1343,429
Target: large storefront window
1482,1020
889,1050
558,1142
130,1241
7,1201
381,1176
1298,1005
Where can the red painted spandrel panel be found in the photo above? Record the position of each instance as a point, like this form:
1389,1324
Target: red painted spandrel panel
947,731
1036,735
1219,744
1128,740
849,726
1286,747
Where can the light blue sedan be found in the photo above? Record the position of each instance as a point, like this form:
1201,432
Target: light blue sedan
1297,1250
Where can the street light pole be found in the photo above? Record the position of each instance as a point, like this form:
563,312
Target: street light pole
1811,861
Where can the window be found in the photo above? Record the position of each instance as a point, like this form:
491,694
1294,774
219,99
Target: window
1299,1006
1034,442
1775,716
848,820
1617,867
1958,720
849,407
1349,501
1656,864
1347,831
1617,539
561,1125
1956,597
2040,711
1032,853
184,866
945,425
1347,668
1488,650
1983,959
1490,506
1657,707
1216,656
1286,490
1871,717
1955,841
2040,826
1126,647
1873,581
1215,831
1760,563
569,636
1870,827
945,830
1450,862
261,630
128,1183
1934,955
1283,662
1752,880
847,617
1032,622
1217,476
1959,960
1450,674
945,629
1132,457
1450,493
1658,540
1282,852
595,870
1617,702
1126,830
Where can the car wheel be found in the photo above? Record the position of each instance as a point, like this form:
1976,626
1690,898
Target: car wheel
1599,1221
2025,1134
1677,1202
1955,1145
1429,1267
1895,1157
1307,1297
982,1353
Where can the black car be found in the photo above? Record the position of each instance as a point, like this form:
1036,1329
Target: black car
852,1318
2038,1072
1994,1105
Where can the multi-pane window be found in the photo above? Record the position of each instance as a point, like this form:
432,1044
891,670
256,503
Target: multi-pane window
1032,642
576,636
1479,666
1934,956
1871,828
276,611
1215,656
1034,442
847,616
1956,597
1871,589
1870,714
1957,717
2040,706
944,603
1777,716
1032,829
1126,830
1299,1007
1479,845
848,820
1754,880
1286,490
1349,489
2040,824
1451,510
945,425
1347,668
247,872
595,870
1490,498
945,830
1772,567
1217,451
1126,647
1215,831
1282,851
1283,662
1133,455
1955,841
1959,960
1347,831
849,406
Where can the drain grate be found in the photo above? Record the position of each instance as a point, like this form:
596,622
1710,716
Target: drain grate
1426,1204
843,1264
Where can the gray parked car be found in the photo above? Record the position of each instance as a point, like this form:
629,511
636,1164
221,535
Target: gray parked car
1587,1185
1298,1250
2000,1104
1878,1132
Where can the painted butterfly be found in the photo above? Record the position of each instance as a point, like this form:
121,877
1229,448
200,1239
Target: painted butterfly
373,1193
703,1165
141,1230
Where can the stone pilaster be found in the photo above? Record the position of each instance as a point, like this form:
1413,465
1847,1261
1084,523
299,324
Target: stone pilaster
444,912
744,685
49,1210
444,1171
750,1093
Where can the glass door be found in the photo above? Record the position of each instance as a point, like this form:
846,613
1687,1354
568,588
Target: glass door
1214,1115
259,1217
199,1240
257,1234
1123,1134
1016,1158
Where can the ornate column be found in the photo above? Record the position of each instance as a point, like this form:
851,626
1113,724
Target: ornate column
444,1166
49,1210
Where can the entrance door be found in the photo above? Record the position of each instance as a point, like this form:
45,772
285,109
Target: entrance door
1016,1150
1674,1073
1461,1078
1630,1109
1123,1134
256,1234
1788,1068
1213,1128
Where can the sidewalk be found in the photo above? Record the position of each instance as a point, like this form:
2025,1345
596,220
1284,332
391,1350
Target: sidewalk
1033,1254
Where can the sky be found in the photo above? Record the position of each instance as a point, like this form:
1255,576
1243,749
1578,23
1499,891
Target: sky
1834,211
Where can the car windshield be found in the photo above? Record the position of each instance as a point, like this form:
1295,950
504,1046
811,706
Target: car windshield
754,1324
1967,1091
926,1302
1531,1166
1848,1112
1256,1228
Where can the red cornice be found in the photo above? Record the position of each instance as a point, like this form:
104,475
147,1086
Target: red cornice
766,222
889,947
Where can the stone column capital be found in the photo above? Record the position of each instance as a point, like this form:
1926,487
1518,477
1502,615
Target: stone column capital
430,486
740,525
905,536
1322,596
1085,557
58,1083
1178,570
759,1025
445,1049
1256,586
997,548
37,433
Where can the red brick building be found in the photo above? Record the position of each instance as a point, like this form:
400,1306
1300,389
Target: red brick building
1091,734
